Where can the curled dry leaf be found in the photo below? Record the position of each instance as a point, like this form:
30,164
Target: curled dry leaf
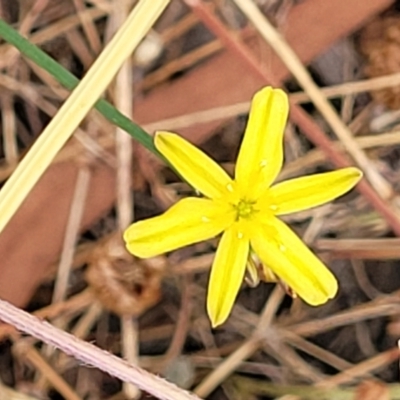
122,283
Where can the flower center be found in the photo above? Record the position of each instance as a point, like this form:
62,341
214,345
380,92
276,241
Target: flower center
245,209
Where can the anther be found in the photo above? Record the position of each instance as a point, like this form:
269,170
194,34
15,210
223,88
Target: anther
282,248
240,235
205,219
229,187
273,207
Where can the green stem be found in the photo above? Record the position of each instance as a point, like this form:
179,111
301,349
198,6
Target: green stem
69,81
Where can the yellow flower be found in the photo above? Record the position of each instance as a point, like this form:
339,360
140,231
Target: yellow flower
245,209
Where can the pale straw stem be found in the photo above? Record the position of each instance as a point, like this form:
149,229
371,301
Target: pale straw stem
92,355
77,106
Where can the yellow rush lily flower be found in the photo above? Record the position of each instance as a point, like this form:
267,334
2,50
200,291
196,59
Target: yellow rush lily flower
245,209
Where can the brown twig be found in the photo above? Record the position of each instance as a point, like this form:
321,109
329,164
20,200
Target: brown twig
362,368
29,353
183,322
385,306
124,148
248,347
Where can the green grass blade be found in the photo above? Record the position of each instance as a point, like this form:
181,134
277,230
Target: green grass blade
69,81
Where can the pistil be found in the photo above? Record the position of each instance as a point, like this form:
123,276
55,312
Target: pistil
245,209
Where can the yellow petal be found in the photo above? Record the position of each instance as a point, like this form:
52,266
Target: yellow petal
311,191
199,170
189,221
261,154
290,259
227,275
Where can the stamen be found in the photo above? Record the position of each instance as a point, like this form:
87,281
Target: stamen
240,235
282,248
263,163
273,207
205,219
229,186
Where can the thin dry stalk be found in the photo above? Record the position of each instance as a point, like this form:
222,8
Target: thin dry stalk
24,350
30,18
233,110
185,61
50,32
226,367
88,27
372,249
317,352
72,306
348,100
343,89
8,123
220,373
363,280
316,224
33,115
91,355
130,345
124,149
32,94
382,307
71,234
289,358
82,329
80,48
270,310
182,324
7,100
24,28
178,29
362,369
68,250
61,127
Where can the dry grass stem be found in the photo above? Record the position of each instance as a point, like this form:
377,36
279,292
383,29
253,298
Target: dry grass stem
91,355
77,105
71,234
32,356
227,367
124,103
